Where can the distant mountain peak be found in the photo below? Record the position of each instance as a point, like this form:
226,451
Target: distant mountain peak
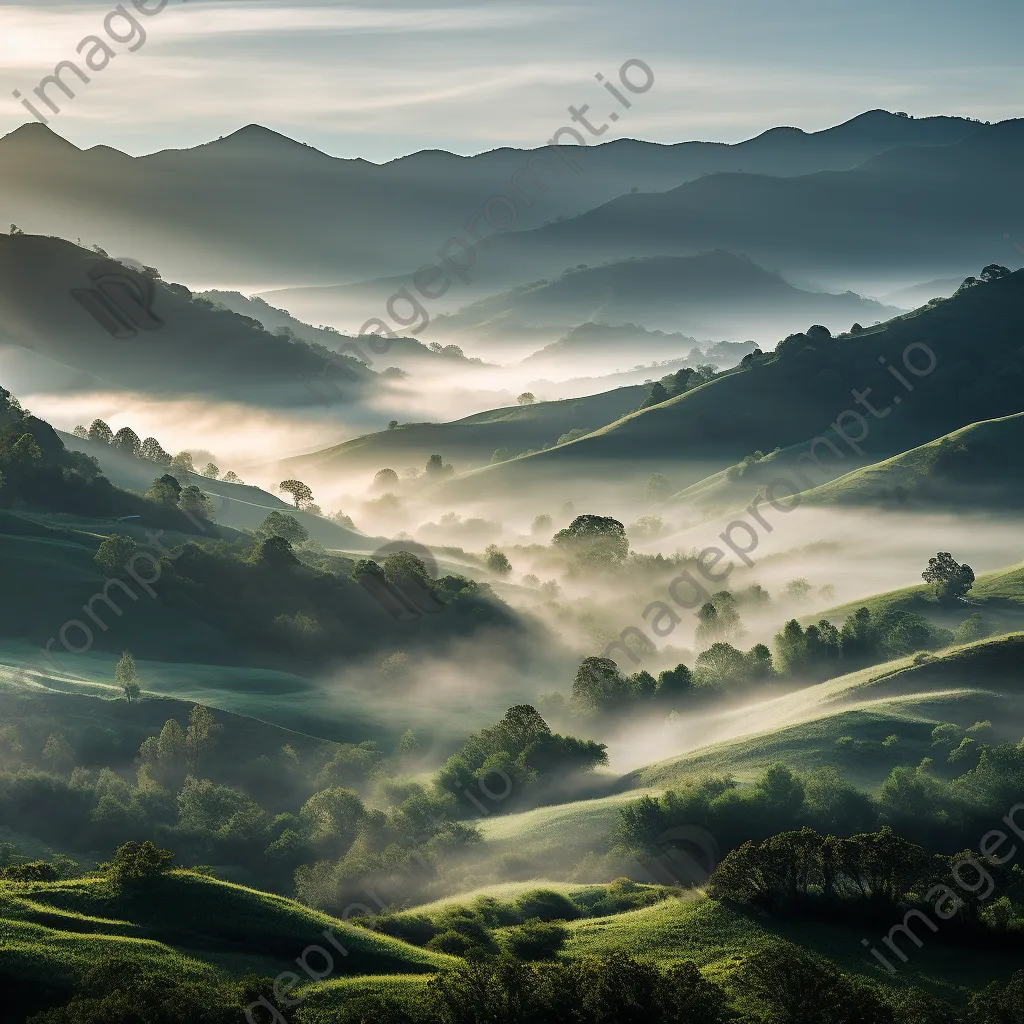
36,135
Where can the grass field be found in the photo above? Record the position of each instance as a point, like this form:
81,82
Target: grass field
717,938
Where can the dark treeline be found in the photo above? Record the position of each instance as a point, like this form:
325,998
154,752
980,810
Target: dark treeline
917,802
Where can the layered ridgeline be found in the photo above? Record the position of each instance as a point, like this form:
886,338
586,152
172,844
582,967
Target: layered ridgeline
711,295
955,204
275,209
70,322
926,374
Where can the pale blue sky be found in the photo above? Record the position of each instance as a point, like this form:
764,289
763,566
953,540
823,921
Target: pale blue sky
387,77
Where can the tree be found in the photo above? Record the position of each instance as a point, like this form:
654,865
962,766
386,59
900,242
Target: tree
126,675
721,665
798,589
299,491
527,398
655,396
673,685
182,462
500,455
231,477
681,381
81,432
195,502
280,524
497,560
99,431
436,467
127,441
202,727
594,541
598,685
408,745
114,553
994,272
658,487
385,480
402,568
540,524
135,863
165,490
211,472
950,580
791,649
152,449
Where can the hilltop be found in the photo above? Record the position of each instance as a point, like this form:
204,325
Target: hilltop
710,295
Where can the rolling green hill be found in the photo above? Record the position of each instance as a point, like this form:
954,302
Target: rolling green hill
796,394
187,923
717,938
473,439
979,466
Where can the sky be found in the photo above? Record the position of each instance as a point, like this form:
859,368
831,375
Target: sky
382,79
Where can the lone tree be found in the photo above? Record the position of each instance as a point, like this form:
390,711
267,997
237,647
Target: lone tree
497,560
594,541
951,580
385,480
138,863
126,675
527,398
165,490
280,524
114,553
298,490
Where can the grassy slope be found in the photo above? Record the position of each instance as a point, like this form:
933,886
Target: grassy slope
1001,591
717,937
898,698
188,922
475,438
786,401
994,447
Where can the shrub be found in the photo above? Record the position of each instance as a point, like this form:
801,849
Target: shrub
534,940
546,905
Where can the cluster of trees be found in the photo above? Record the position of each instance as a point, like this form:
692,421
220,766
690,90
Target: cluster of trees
778,981
678,383
37,471
824,650
435,469
877,877
290,820
128,442
599,688
919,803
516,762
166,490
